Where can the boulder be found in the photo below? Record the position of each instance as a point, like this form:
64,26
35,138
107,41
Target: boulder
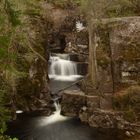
72,102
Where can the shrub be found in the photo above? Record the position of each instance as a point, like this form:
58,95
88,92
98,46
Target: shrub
129,101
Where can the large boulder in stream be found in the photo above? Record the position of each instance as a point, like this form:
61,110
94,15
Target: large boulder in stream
72,102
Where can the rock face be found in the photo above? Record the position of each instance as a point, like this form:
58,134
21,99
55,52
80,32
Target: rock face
125,45
33,90
64,35
75,102
62,26
121,43
118,56
72,102
90,111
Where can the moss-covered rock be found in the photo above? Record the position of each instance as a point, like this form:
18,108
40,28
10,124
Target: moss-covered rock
129,102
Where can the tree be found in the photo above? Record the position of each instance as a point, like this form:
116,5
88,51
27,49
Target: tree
17,51
96,11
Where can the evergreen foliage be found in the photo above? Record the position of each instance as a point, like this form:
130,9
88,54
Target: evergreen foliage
15,51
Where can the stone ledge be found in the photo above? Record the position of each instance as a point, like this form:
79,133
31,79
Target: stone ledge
72,102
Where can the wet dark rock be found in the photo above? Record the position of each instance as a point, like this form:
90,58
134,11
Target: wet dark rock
92,102
72,102
94,111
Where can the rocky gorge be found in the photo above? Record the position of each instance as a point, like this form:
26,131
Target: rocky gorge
116,37
83,67
98,109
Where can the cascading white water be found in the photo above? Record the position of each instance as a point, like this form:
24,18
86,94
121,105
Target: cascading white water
62,68
54,118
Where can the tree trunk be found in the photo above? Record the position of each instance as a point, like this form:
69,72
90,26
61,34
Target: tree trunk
92,55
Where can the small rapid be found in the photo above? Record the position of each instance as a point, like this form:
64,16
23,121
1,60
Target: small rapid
55,117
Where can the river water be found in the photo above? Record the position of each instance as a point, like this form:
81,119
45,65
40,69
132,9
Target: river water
56,127
62,72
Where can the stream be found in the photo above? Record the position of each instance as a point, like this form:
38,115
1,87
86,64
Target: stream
62,72
56,127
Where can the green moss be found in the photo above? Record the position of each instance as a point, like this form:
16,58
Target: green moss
130,115
65,3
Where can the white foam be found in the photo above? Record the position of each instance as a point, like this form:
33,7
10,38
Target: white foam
56,117
19,111
79,26
63,68
65,78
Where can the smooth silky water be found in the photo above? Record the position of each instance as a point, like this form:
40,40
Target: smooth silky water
62,73
56,127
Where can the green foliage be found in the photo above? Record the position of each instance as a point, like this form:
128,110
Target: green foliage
13,15
32,12
5,137
129,101
108,9
65,3
122,8
130,115
4,41
2,19
4,111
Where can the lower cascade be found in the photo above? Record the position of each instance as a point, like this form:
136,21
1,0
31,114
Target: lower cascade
56,117
61,68
54,127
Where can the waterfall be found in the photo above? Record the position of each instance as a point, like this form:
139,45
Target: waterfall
61,68
57,107
55,117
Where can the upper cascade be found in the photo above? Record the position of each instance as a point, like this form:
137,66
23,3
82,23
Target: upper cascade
62,68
